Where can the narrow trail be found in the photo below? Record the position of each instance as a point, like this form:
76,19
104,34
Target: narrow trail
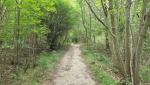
72,70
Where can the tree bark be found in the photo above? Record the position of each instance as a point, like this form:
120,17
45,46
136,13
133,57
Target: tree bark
143,27
127,37
116,52
84,24
17,30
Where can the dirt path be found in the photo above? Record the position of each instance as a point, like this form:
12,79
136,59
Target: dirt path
72,70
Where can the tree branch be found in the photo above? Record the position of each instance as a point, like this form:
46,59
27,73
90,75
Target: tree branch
90,7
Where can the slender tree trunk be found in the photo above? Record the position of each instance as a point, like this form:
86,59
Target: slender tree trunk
116,52
90,27
17,31
127,37
143,27
84,24
107,41
106,32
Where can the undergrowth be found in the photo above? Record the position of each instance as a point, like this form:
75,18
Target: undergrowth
98,64
145,75
33,76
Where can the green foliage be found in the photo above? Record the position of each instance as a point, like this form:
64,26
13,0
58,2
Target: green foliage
144,74
48,60
28,26
31,11
35,18
45,63
95,61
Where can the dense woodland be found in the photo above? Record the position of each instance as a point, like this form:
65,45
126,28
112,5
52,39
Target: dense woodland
119,29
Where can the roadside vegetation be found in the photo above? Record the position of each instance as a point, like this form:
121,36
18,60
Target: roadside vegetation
102,69
100,66
44,66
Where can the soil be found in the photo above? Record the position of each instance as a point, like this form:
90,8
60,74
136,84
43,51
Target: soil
71,70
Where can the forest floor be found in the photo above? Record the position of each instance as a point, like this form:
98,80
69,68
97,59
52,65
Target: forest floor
71,70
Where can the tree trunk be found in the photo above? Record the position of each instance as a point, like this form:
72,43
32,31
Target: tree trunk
116,52
143,27
127,38
17,30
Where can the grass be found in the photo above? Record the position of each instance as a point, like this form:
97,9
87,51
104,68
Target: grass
34,76
145,74
95,61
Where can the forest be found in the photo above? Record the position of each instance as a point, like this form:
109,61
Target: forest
41,40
